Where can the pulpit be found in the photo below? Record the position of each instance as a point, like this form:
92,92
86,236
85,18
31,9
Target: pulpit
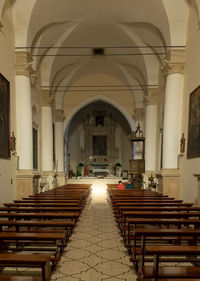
137,166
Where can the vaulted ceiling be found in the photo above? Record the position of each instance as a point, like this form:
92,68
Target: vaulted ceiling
135,35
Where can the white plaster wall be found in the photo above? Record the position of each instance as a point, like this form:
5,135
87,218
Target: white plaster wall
7,61
190,166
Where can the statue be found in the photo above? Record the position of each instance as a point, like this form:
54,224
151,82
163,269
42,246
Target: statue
182,144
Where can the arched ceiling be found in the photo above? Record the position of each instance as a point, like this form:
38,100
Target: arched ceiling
138,25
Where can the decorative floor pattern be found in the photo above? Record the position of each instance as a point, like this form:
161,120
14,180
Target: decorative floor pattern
95,251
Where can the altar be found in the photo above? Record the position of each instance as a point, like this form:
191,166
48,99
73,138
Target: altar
100,170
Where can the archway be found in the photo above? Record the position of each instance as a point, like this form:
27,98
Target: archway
97,135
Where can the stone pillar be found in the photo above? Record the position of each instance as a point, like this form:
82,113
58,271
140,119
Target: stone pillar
24,111
59,146
151,149
24,136
137,146
169,178
47,139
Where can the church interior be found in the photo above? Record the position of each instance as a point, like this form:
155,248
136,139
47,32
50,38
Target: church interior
93,93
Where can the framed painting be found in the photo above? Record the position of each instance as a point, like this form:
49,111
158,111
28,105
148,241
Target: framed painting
193,149
4,117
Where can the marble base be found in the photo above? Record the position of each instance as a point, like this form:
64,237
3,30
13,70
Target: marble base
26,183
61,178
48,180
169,182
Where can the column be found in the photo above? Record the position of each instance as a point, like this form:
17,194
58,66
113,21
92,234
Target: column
59,146
137,146
151,131
24,137
169,177
47,139
173,110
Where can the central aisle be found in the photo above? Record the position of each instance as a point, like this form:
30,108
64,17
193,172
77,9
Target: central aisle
95,251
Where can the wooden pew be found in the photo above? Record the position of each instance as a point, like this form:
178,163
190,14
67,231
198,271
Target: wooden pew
42,205
28,260
162,215
20,278
40,209
136,223
144,235
41,216
158,271
57,239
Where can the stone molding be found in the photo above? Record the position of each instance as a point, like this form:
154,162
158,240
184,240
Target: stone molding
23,63
176,63
26,174
168,173
59,117
152,98
46,98
47,173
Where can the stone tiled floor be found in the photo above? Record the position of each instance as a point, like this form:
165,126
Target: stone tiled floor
95,251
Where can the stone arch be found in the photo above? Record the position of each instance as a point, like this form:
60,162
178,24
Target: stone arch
93,99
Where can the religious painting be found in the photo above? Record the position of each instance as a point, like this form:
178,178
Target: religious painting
4,117
193,149
99,145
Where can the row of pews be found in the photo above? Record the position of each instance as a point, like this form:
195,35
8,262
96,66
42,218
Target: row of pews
35,230
162,234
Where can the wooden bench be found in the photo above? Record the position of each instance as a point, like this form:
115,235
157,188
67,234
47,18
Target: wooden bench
40,209
41,216
23,239
163,236
28,260
123,223
158,271
155,223
119,212
65,224
20,278
41,205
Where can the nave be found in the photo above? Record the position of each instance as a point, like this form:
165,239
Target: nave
96,250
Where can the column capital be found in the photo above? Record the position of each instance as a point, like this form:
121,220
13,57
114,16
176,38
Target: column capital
46,97
176,62
23,63
59,117
152,97
138,114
